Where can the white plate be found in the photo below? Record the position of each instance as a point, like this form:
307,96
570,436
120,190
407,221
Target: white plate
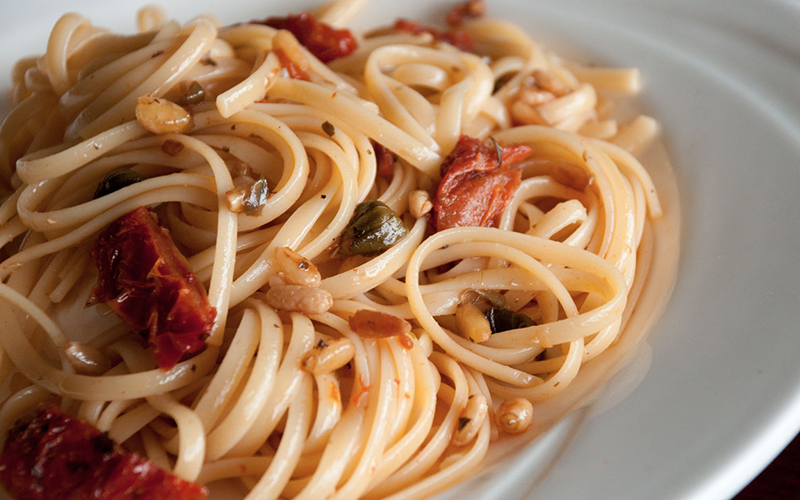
722,394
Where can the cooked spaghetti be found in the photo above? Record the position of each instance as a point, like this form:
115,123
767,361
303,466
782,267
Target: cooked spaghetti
324,264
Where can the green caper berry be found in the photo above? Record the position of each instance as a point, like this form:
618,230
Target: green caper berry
501,319
373,229
116,180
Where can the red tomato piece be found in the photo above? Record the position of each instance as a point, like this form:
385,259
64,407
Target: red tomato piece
324,41
475,186
385,160
146,280
293,69
459,39
52,456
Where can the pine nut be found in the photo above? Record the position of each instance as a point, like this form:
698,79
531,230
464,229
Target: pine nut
546,81
296,269
525,114
328,356
419,203
86,360
375,324
534,97
161,116
472,324
514,416
471,420
538,88
304,299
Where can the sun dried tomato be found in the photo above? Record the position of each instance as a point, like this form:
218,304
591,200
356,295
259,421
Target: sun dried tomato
476,186
50,456
459,39
146,280
385,160
324,41
471,9
293,69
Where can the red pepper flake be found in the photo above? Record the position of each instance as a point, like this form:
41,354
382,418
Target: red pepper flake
291,67
477,185
360,391
50,456
459,39
334,394
172,148
324,41
147,281
471,9
385,160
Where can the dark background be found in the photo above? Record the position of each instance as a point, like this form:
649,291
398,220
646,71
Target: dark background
781,480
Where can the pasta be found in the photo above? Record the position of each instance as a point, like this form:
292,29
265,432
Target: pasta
332,366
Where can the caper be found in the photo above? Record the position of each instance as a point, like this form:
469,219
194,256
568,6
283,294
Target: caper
249,198
372,230
501,319
257,197
116,180
194,95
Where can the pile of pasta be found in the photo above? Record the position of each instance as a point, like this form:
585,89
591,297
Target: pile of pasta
402,416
